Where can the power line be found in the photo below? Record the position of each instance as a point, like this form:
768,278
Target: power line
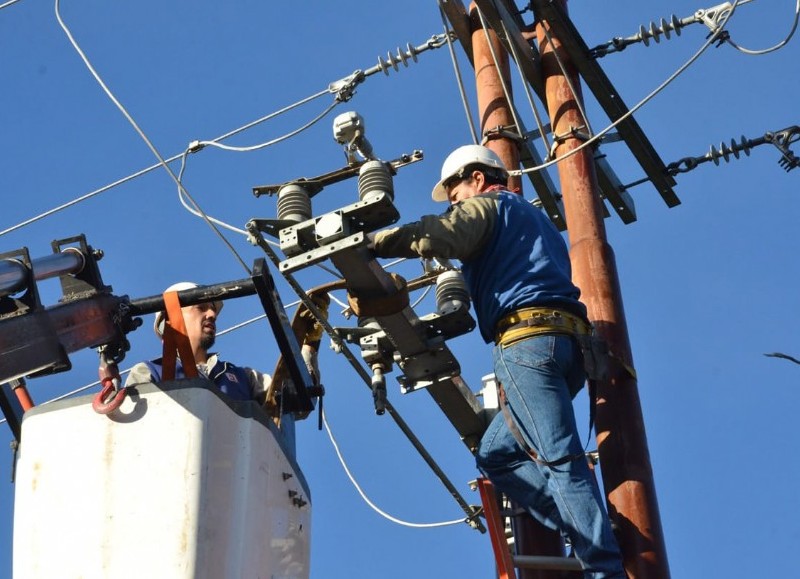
141,133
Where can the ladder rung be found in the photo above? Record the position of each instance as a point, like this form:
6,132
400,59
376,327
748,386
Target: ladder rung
544,562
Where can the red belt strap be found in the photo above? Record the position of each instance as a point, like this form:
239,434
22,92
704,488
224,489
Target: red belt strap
176,340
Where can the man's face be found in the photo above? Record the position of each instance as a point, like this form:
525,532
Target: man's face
464,188
201,325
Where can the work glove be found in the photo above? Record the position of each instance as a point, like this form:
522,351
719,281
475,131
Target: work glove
311,359
381,305
311,329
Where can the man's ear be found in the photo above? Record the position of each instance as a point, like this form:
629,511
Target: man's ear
479,178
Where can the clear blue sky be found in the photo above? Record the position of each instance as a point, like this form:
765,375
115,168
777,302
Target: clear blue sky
709,287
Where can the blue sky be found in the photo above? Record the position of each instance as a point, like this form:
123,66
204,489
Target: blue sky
709,286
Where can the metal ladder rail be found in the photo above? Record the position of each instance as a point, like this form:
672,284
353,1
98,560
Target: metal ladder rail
506,563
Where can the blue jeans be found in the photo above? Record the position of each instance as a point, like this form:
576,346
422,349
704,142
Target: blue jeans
538,375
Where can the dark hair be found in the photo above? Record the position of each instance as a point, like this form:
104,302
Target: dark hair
492,175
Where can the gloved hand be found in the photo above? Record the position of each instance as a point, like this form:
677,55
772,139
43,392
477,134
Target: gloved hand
310,358
311,329
383,305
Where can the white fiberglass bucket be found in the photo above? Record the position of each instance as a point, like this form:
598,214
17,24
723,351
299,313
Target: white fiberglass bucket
180,482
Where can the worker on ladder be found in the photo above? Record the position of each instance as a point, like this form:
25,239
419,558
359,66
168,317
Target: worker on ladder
518,271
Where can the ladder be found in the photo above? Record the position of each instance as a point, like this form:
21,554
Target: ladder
506,562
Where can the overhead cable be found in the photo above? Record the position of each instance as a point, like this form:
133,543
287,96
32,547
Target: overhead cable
778,46
539,124
459,80
141,133
568,79
274,141
503,84
223,224
363,495
343,90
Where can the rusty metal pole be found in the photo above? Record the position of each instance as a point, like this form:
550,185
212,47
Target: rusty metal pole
493,107
530,537
622,442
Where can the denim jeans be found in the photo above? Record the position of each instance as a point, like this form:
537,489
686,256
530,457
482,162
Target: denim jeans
538,374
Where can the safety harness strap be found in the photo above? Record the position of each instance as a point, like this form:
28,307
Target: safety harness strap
529,322
512,426
176,340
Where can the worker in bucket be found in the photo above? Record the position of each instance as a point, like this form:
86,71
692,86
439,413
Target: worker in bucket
517,268
238,383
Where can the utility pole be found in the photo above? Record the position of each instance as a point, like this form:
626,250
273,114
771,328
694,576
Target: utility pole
622,442
493,107
496,120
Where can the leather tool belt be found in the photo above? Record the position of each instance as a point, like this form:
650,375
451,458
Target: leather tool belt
527,322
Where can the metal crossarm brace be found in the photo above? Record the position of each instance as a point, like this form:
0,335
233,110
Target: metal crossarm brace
614,191
364,276
542,183
605,93
315,184
423,360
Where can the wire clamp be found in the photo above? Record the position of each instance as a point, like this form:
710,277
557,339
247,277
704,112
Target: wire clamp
345,88
713,18
502,132
579,133
782,140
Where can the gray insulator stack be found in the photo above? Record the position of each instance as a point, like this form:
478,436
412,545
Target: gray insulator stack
451,292
294,204
375,178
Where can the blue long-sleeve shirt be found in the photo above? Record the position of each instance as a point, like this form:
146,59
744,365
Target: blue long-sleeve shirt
512,255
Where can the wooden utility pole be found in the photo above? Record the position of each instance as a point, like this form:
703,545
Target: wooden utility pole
622,441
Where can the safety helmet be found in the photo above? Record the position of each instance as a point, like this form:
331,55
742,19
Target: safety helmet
158,324
463,157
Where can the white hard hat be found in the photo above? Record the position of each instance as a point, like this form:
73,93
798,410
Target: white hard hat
158,324
463,157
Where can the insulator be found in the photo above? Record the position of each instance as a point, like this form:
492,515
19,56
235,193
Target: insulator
401,57
294,203
451,292
656,30
725,151
374,178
